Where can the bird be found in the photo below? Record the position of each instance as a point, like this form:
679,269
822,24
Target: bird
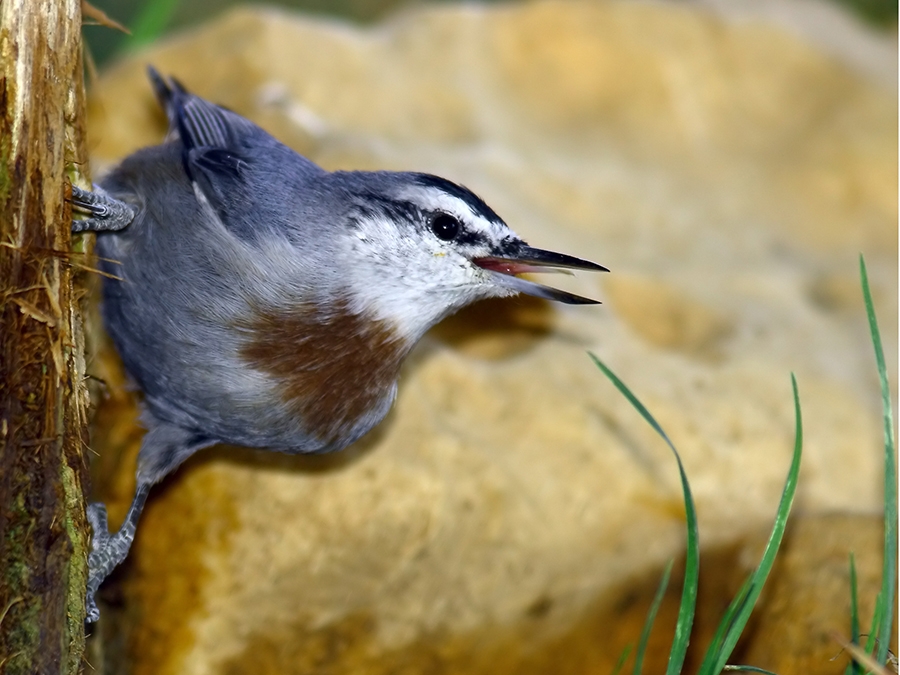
257,299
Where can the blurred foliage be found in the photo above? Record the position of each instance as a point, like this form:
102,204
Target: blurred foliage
878,12
148,19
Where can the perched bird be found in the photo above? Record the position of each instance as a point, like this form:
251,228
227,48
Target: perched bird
262,301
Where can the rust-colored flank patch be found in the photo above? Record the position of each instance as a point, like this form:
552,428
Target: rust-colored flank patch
331,366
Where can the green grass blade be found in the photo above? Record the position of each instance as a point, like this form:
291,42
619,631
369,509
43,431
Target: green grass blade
853,668
651,617
889,570
759,576
749,669
621,662
872,638
854,601
633,400
715,645
688,605
152,21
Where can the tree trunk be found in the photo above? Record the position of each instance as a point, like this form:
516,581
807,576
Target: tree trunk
43,400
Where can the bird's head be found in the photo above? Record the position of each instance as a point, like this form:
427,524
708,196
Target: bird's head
421,247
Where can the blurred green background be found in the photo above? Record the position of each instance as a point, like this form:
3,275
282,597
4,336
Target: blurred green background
148,19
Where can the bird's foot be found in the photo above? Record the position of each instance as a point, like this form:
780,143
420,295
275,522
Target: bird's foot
107,551
104,213
99,559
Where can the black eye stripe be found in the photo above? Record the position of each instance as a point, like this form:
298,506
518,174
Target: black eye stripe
371,203
469,238
464,235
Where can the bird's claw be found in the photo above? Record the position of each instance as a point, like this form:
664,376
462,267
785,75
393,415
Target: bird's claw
105,212
96,515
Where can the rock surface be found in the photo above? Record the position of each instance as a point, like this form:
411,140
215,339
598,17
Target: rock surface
513,512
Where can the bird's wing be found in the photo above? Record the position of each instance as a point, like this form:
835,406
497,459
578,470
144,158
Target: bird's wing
227,158
214,140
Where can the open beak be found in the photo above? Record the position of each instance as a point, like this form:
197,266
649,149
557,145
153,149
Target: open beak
526,259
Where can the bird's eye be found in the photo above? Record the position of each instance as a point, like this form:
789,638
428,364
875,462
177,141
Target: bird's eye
445,226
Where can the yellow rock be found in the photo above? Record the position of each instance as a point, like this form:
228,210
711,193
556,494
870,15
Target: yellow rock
502,517
807,604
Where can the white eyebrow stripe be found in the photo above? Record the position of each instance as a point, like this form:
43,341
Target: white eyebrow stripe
433,199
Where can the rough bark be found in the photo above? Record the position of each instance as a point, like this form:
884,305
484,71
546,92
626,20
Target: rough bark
43,401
